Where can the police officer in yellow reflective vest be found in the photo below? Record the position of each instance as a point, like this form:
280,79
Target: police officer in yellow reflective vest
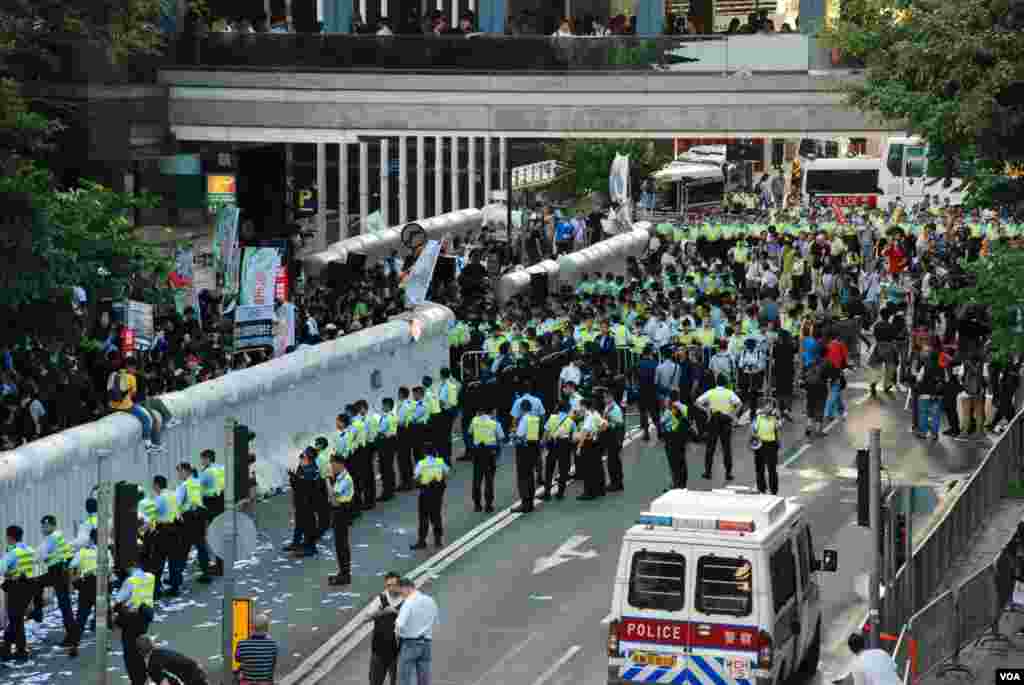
341,490
134,606
16,567
435,418
764,440
558,434
720,404
168,537
189,497
527,437
406,435
211,478
431,474
485,436
54,555
83,566
448,394
675,427
387,440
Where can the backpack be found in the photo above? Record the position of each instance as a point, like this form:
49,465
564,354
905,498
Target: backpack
117,386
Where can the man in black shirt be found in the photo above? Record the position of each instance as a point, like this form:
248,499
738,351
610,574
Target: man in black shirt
168,665
384,644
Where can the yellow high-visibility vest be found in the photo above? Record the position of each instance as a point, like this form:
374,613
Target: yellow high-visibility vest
532,428
143,588
484,431
765,427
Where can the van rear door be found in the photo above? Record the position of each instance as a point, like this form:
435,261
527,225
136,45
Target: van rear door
654,625
724,626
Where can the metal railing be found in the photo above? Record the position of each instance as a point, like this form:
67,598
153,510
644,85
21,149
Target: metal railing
940,625
486,53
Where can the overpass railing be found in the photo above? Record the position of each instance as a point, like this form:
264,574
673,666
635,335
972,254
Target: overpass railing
488,53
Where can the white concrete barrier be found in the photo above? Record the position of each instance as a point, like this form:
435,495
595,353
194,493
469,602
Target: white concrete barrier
286,402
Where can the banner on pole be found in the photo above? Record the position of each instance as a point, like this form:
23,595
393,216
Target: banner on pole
418,279
137,318
254,326
225,250
259,275
284,328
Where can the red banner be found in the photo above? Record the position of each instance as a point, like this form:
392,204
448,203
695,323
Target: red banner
281,285
851,200
127,340
838,211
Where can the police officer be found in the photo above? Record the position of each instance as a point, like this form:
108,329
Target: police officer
167,538
16,569
448,394
720,404
359,461
341,492
589,446
435,417
84,567
431,474
321,498
406,434
486,436
189,497
211,478
558,432
87,524
134,606
54,555
765,442
420,423
675,419
612,438
373,440
527,455
387,440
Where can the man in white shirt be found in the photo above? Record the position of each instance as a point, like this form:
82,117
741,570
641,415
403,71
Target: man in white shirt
871,666
415,628
570,374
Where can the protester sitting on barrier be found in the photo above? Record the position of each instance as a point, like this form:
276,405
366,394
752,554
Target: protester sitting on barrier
121,389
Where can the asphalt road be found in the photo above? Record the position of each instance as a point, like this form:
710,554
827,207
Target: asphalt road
511,625
503,622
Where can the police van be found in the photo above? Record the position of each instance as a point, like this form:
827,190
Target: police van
717,588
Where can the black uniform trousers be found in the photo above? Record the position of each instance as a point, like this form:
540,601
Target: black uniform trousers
719,430
322,506
559,455
382,667
20,593
527,457
193,529
675,454
485,463
593,470
404,456
214,507
359,465
441,435
86,586
430,502
59,579
341,520
613,439
387,449
766,459
134,624
750,386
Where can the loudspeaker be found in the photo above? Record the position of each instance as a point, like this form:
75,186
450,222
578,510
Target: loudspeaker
126,525
538,288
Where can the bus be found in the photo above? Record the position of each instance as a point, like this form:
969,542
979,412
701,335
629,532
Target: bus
697,180
900,174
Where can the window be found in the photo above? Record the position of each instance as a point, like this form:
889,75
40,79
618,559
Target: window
806,554
895,160
705,193
783,568
724,586
842,181
917,161
657,581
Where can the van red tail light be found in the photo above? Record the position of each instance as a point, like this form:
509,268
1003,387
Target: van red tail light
613,638
765,650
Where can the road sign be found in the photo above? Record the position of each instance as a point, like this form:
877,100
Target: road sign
566,552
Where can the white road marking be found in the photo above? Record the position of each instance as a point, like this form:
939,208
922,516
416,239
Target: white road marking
797,454
814,486
566,552
562,661
486,677
830,426
607,619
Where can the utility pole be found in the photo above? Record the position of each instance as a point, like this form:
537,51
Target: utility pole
908,511
875,502
228,553
104,499
508,202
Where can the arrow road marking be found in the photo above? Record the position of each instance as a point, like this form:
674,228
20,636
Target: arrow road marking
563,554
562,661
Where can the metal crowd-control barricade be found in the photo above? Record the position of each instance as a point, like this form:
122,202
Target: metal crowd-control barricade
472,364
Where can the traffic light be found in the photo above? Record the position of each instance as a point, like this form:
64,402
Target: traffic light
863,488
126,525
900,540
243,459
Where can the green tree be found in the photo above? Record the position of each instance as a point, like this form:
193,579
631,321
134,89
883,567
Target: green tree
938,67
997,282
590,161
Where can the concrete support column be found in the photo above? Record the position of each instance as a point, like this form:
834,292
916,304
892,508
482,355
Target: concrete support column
503,164
343,209
385,186
471,172
403,182
487,170
456,205
289,178
364,184
438,175
321,196
421,169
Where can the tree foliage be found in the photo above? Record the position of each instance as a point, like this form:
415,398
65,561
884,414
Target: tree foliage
996,284
937,66
590,161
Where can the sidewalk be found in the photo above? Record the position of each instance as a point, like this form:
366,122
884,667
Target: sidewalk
982,659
